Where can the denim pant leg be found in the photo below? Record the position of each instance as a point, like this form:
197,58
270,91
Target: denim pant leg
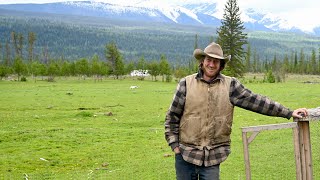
185,170
211,172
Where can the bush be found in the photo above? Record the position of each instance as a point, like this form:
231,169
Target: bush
270,77
23,79
51,79
168,78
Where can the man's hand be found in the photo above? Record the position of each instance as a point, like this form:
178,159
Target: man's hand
176,150
300,113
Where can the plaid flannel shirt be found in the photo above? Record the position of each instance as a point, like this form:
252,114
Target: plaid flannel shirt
239,96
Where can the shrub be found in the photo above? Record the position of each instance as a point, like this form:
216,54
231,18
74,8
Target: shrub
23,79
270,77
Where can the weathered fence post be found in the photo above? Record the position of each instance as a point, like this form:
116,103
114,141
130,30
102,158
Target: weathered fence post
305,144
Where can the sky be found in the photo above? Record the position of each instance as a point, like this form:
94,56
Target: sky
301,13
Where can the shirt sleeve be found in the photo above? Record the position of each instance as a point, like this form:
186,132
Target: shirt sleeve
244,98
174,114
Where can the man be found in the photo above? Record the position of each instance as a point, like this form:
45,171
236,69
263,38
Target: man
198,122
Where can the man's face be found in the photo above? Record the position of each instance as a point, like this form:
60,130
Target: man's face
211,67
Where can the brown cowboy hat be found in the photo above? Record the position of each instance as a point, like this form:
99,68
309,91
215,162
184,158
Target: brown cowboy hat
213,50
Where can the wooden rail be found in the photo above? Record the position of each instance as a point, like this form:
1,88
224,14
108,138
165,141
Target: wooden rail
301,141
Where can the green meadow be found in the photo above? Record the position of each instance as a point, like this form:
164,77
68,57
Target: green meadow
82,129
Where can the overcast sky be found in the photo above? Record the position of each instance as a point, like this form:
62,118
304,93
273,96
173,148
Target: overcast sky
301,13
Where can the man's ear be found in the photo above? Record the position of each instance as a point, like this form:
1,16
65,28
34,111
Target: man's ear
200,64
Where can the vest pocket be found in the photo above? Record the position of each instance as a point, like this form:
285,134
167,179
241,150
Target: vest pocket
222,129
190,130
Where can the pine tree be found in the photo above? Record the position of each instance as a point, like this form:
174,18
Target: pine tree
164,67
295,63
114,57
313,62
301,62
255,61
31,40
14,41
248,59
142,64
7,60
232,38
20,45
196,42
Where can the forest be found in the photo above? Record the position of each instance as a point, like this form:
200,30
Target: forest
27,38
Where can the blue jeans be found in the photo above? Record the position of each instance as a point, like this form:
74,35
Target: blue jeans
188,171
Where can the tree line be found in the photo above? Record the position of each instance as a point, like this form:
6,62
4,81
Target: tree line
113,64
13,61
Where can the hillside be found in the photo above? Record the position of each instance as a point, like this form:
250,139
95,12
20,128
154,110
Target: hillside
74,37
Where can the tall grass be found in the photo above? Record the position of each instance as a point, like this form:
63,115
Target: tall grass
72,129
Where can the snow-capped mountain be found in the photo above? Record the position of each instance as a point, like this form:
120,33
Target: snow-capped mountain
149,11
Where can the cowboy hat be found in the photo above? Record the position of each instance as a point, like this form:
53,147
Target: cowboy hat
213,50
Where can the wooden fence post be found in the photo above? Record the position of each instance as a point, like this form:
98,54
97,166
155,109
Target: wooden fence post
305,150
246,155
305,143
297,153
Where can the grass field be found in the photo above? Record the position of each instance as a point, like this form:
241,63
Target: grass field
81,129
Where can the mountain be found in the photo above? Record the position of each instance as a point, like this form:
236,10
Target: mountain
72,37
197,14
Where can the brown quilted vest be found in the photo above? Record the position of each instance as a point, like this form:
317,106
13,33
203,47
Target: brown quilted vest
208,113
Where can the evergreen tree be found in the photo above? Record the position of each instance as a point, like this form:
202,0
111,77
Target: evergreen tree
248,59
286,63
255,61
232,38
295,65
3,71
114,57
274,64
119,68
129,67
7,61
301,62
31,40
164,67
141,65
82,68
14,41
313,62
65,69
53,70
154,69
196,42
20,45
